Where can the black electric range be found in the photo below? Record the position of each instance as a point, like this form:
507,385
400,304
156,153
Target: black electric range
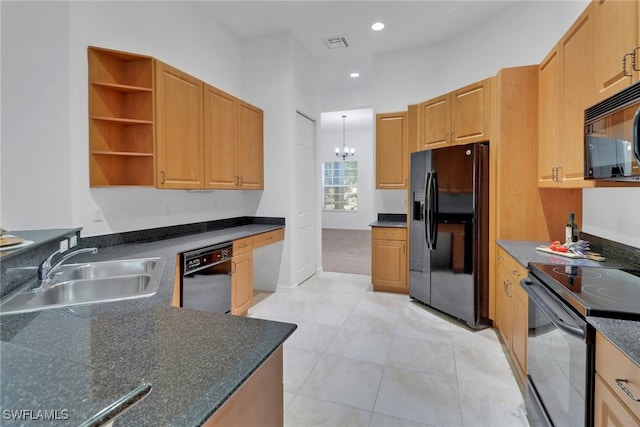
593,291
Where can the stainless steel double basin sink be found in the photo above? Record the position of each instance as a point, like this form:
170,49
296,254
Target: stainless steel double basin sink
88,283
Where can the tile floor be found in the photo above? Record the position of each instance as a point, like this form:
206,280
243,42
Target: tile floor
364,358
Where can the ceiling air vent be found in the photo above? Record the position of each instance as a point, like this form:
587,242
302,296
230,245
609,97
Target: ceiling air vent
336,42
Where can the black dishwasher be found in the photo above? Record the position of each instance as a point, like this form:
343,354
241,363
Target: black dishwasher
206,278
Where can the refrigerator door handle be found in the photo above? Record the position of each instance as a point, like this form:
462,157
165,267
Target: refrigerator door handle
434,209
427,211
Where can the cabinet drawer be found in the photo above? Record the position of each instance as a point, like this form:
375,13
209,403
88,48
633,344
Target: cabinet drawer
384,233
613,365
241,246
267,238
511,265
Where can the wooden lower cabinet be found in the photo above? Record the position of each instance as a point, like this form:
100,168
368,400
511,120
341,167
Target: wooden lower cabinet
612,405
512,310
242,283
258,402
389,259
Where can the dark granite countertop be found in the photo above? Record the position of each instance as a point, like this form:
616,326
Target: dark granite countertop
624,334
390,220
194,360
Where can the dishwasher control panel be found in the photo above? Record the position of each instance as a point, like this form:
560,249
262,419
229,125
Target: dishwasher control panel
206,257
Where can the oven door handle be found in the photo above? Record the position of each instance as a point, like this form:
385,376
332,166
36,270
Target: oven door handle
551,308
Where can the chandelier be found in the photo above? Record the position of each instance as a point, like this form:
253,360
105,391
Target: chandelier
345,151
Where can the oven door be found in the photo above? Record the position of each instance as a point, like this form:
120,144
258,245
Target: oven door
558,384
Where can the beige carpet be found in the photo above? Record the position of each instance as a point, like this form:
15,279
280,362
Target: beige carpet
346,251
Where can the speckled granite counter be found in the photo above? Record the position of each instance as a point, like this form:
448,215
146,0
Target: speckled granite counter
194,360
390,220
525,252
623,333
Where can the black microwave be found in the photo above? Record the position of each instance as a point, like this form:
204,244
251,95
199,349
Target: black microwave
611,137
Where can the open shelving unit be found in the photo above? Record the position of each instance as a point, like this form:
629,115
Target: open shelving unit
121,118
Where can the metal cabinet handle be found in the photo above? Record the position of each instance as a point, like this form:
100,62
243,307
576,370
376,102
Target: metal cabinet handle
635,59
446,137
163,174
453,136
624,63
619,381
558,178
515,273
500,258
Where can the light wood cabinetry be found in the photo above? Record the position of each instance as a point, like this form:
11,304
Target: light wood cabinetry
250,155
458,117
564,94
616,28
612,405
121,119
392,152
242,268
258,401
512,310
242,276
389,259
233,142
154,125
179,129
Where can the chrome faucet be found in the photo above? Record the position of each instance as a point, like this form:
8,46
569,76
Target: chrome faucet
46,270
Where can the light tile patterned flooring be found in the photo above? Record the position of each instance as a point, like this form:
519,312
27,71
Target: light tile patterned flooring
364,358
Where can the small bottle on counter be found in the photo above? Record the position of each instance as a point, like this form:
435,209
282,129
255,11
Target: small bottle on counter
571,230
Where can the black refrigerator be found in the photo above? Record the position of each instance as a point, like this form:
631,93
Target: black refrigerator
449,231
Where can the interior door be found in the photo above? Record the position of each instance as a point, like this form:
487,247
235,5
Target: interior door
304,240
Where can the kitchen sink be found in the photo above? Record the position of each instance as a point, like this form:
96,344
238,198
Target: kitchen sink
89,283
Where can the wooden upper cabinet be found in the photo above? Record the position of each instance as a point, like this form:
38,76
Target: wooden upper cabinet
549,116
564,79
151,124
220,133
616,34
436,121
233,142
392,155
250,154
179,129
471,113
121,121
459,117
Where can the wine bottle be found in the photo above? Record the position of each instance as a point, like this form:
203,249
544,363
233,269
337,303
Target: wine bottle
571,230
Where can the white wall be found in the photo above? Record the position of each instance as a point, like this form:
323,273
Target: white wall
612,213
362,139
45,148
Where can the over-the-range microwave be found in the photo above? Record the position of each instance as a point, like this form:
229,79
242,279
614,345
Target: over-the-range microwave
611,140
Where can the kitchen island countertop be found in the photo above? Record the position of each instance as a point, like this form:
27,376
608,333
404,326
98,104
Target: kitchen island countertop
194,360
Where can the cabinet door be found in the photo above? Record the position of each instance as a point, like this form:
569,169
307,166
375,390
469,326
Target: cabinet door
242,283
578,78
179,130
436,121
519,329
549,116
608,410
503,321
250,147
616,34
470,113
392,150
389,265
220,127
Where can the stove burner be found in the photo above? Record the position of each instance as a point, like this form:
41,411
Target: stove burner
573,271
621,293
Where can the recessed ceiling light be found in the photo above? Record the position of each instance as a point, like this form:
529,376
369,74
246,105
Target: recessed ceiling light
377,26
354,75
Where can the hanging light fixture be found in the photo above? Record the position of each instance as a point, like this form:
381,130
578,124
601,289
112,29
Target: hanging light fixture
345,151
